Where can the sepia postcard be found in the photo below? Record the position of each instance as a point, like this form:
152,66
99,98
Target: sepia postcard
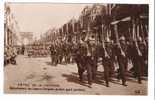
76,48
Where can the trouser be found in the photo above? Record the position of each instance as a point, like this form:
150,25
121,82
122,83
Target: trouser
91,69
54,59
81,66
86,64
60,59
122,62
137,64
13,60
106,65
81,69
112,67
66,58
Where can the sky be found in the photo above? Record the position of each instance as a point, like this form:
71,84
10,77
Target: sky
39,17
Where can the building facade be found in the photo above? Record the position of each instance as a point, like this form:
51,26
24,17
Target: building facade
11,29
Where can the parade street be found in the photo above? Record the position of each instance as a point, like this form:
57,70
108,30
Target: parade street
61,79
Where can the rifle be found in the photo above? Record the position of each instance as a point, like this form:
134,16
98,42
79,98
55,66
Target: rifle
103,45
117,40
135,38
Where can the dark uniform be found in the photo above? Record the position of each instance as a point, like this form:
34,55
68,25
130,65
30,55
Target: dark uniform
53,54
69,49
80,56
60,56
107,62
65,49
110,51
91,61
106,65
136,58
143,49
122,60
23,49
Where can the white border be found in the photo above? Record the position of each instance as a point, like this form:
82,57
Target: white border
53,97
85,1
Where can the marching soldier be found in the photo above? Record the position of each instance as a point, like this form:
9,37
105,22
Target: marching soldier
56,54
80,56
84,57
69,52
107,61
91,61
23,49
110,52
122,59
143,49
66,52
136,58
53,53
60,53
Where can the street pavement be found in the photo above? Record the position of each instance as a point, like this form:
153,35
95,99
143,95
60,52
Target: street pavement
37,75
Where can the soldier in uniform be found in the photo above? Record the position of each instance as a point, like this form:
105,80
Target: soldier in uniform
122,59
110,52
143,49
91,59
80,54
74,51
84,59
136,58
23,49
53,52
107,61
146,56
66,52
60,53
56,54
